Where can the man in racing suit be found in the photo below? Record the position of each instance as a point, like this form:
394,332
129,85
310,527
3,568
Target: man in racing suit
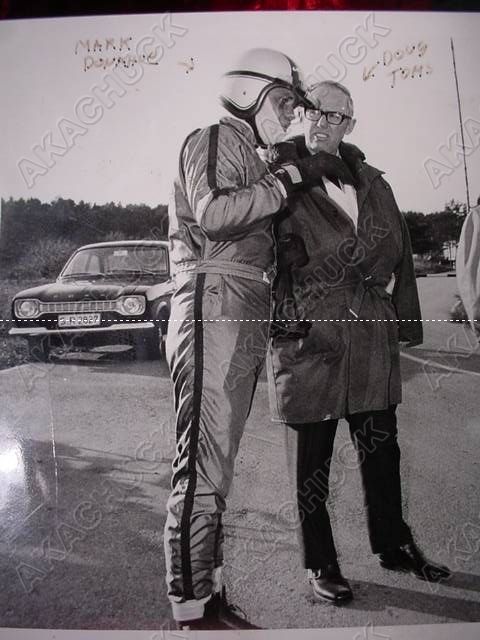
222,254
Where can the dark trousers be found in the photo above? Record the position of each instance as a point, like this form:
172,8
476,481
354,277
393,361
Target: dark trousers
309,452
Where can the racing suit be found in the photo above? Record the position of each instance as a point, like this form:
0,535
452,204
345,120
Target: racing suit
222,254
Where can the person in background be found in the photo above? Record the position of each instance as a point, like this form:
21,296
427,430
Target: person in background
345,297
468,267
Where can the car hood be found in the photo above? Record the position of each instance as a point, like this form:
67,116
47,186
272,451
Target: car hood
83,290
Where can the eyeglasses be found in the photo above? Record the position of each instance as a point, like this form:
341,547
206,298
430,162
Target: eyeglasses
333,117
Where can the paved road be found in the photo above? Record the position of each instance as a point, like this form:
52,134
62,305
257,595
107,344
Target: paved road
85,449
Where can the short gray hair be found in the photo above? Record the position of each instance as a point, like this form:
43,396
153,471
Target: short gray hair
335,85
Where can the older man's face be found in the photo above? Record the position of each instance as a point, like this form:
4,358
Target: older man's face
320,135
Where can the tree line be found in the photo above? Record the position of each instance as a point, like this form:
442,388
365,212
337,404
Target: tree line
32,231
37,237
429,233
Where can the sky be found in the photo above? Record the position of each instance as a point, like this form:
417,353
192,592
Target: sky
124,147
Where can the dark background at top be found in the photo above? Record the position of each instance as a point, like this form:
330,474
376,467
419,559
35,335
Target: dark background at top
50,8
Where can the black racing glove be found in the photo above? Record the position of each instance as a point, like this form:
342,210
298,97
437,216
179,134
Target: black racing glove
303,173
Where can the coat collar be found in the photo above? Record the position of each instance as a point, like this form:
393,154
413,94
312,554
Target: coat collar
354,157
365,175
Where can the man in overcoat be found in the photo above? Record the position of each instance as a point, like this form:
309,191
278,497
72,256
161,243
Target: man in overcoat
345,297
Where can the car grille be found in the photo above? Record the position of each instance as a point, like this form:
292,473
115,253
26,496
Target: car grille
82,306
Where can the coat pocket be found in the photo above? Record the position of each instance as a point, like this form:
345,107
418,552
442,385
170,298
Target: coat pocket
212,299
324,340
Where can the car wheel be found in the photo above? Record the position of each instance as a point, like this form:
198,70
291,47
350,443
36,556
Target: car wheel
163,347
39,349
147,345
150,345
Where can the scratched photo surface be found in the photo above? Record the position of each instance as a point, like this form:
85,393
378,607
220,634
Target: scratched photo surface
94,112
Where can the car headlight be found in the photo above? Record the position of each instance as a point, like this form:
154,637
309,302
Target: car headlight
131,305
27,308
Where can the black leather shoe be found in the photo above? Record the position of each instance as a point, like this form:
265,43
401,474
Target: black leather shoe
410,559
218,614
329,584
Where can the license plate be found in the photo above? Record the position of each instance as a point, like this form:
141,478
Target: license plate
79,320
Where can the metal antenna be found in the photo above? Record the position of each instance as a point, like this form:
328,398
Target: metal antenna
461,125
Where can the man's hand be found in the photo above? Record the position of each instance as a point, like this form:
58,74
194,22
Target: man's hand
307,172
286,330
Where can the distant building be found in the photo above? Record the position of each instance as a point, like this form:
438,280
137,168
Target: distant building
449,250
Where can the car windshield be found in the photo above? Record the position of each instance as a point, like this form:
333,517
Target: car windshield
98,262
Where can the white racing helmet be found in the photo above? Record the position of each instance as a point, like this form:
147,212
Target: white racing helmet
256,73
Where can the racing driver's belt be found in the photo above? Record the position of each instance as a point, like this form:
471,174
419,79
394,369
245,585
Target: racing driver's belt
228,268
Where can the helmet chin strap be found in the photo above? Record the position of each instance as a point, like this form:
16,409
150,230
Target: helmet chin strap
266,125
252,122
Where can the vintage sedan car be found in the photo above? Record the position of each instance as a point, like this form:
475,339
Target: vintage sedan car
107,293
